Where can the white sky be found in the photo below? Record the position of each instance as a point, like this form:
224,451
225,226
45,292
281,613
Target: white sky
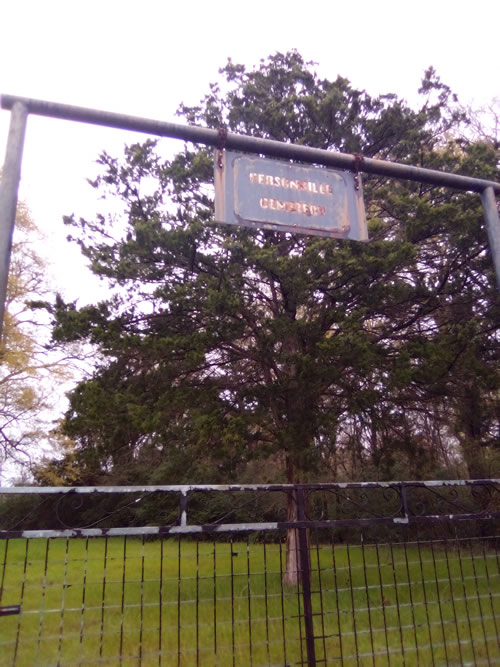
144,58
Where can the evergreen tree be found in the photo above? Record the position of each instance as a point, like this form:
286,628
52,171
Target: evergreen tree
226,348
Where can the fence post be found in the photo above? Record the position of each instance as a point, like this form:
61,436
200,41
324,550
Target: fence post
305,570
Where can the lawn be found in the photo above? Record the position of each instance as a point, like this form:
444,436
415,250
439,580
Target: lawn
127,601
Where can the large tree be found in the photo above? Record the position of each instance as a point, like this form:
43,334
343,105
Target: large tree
224,348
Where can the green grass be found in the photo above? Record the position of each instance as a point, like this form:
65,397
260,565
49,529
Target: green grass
114,602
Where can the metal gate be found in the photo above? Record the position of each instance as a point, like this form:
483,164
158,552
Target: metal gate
396,573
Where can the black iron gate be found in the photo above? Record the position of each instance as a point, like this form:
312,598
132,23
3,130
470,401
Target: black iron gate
400,573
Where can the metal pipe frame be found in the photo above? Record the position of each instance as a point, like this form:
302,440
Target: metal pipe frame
209,137
9,186
490,210
21,107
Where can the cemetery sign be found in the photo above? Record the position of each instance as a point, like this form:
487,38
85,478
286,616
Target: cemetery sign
285,196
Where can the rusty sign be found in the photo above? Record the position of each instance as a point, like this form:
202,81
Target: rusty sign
273,194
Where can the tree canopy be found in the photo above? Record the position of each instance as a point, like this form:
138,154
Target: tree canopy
229,354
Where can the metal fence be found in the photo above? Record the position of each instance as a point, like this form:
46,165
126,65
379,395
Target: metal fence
390,574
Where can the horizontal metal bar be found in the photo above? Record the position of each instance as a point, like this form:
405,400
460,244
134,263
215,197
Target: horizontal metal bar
187,488
211,529
248,144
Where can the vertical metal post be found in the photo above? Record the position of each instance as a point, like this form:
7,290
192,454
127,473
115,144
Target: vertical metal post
493,226
305,570
9,186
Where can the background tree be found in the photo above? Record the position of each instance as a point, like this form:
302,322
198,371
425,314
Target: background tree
28,370
226,348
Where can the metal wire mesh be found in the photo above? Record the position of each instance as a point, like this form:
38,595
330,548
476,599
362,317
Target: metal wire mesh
188,602
377,595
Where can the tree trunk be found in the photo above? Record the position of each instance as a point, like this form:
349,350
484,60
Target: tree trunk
474,458
291,576
470,436
297,435
293,572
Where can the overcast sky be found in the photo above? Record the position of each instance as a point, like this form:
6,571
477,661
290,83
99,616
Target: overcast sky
144,58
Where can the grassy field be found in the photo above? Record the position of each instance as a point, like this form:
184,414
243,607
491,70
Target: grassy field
116,601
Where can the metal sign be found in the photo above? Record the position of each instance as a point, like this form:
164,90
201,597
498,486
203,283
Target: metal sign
278,195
